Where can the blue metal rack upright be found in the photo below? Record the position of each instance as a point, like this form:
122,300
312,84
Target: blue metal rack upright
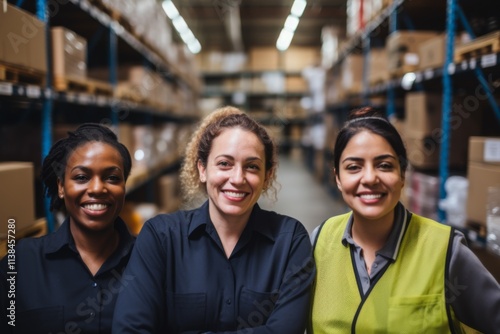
452,10
447,98
47,102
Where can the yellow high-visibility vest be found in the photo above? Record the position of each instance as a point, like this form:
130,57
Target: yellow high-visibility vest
408,297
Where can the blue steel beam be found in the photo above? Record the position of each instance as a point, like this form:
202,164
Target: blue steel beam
46,123
444,152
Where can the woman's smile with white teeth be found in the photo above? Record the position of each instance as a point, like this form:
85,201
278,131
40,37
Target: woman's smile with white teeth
234,194
95,206
370,196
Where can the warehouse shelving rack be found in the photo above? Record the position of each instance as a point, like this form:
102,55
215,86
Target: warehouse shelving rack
97,107
254,99
389,18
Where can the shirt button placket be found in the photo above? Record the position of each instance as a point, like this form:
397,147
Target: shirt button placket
228,315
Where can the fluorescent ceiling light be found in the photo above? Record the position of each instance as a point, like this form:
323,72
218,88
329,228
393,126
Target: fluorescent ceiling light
194,46
291,23
181,26
284,40
187,36
298,7
170,9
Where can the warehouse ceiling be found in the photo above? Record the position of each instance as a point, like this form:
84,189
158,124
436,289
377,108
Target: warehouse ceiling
239,25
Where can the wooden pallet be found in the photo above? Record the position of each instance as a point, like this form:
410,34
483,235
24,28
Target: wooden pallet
81,85
486,44
21,75
125,91
38,229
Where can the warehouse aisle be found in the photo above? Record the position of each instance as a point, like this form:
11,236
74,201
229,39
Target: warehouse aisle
301,196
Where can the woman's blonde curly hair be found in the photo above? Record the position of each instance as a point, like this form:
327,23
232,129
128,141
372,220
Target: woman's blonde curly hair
200,145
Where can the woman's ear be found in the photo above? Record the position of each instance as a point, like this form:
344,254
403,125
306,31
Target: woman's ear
201,172
60,188
337,180
267,180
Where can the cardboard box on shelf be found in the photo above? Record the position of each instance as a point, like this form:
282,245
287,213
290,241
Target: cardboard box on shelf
402,50
484,150
483,171
296,84
69,52
264,59
422,113
432,52
378,71
17,199
352,73
22,39
424,152
423,130
295,59
480,176
334,93
169,193
126,136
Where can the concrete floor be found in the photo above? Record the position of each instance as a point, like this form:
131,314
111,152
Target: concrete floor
302,196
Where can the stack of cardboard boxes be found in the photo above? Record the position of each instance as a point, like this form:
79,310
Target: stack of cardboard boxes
22,39
17,206
483,171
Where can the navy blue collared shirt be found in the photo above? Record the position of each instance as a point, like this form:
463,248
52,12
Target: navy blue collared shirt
183,281
54,290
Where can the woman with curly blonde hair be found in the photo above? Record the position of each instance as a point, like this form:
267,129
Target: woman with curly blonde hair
199,145
226,266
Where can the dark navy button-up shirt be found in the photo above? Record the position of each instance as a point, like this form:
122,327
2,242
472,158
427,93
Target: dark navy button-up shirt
54,290
183,281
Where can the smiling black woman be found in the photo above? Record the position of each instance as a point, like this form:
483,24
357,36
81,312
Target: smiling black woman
68,281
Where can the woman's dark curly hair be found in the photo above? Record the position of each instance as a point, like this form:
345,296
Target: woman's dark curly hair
54,164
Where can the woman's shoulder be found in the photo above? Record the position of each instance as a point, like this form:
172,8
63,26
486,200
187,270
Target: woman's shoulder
31,246
280,223
429,223
173,220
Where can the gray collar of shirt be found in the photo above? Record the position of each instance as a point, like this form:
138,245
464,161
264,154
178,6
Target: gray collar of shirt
391,248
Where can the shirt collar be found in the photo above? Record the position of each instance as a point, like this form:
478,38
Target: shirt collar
62,237
391,248
258,222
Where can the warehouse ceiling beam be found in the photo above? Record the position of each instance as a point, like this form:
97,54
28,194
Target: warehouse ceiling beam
229,12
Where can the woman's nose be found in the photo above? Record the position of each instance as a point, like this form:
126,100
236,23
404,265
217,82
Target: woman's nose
238,176
96,185
370,176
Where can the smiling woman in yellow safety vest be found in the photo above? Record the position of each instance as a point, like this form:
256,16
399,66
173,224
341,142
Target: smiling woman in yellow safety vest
383,269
